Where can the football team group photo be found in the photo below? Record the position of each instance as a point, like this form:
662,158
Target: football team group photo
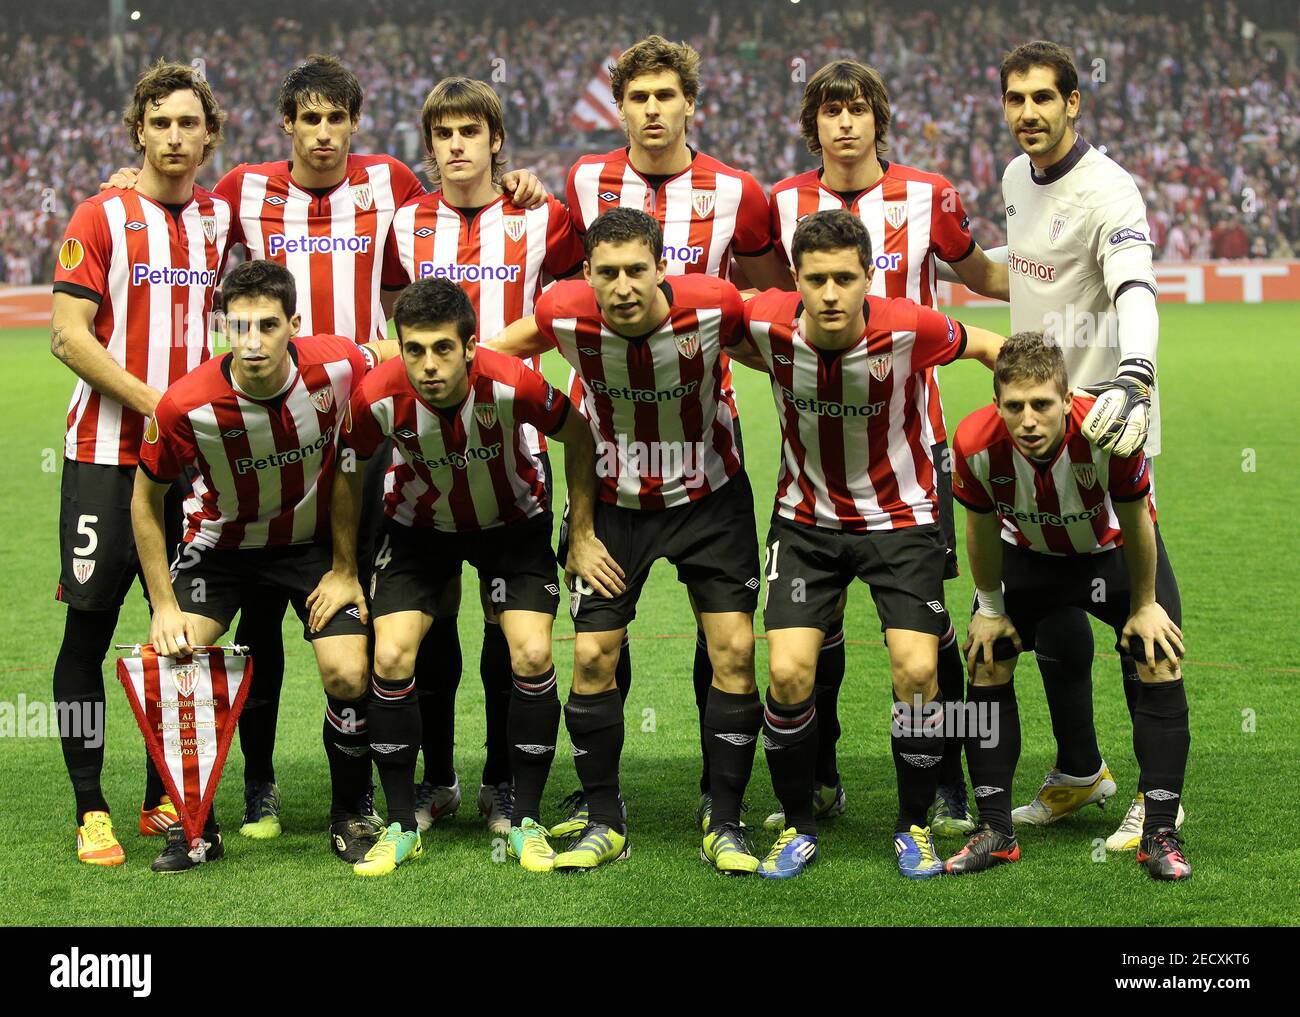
770,415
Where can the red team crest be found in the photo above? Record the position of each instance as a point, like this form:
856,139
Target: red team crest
323,399
83,569
186,677
688,345
880,366
1085,474
514,226
896,213
703,202
363,197
485,414
1054,230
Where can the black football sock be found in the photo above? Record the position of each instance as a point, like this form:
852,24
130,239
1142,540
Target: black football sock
1064,652
533,728
494,670
702,678
437,677
1161,739
346,735
790,744
261,629
394,722
732,721
79,689
1129,669
993,766
154,788
952,675
623,669
827,682
917,746
595,726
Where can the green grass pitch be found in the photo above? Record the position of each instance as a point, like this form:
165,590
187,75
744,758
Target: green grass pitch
1225,484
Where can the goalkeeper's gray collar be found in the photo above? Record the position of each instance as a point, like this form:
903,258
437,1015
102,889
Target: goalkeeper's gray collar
1062,166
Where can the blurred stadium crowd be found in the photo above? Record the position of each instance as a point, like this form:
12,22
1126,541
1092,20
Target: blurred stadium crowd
1199,101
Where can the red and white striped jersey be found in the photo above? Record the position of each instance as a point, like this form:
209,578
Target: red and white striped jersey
708,212
499,259
913,217
466,468
854,455
332,243
153,277
664,434
265,467
1064,506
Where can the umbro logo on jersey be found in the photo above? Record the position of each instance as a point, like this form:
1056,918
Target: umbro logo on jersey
781,359
234,432
588,351
1011,210
752,583
274,199
1002,480
322,399
405,433
135,226
983,791
607,196
535,750
1085,473
735,737
486,414
423,232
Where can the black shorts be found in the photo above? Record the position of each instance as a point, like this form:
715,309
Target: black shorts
219,583
514,562
1037,585
713,542
947,520
808,567
370,519
97,558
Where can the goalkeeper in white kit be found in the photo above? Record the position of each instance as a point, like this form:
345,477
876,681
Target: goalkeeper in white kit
1079,255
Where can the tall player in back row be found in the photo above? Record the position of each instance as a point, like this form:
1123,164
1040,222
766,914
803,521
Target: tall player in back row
710,213
133,290
916,222
1079,255
325,214
501,253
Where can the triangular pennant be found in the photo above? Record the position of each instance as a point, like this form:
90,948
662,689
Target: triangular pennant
187,709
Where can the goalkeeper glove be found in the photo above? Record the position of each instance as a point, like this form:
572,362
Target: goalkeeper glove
1121,417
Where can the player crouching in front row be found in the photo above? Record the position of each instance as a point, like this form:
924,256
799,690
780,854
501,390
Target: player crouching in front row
258,426
464,487
1053,522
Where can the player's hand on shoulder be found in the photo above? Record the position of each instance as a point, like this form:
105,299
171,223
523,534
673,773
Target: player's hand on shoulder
1120,419
589,560
525,188
335,591
124,177
982,632
1153,626
169,631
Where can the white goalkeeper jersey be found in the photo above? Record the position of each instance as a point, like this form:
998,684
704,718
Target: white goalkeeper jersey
1063,232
